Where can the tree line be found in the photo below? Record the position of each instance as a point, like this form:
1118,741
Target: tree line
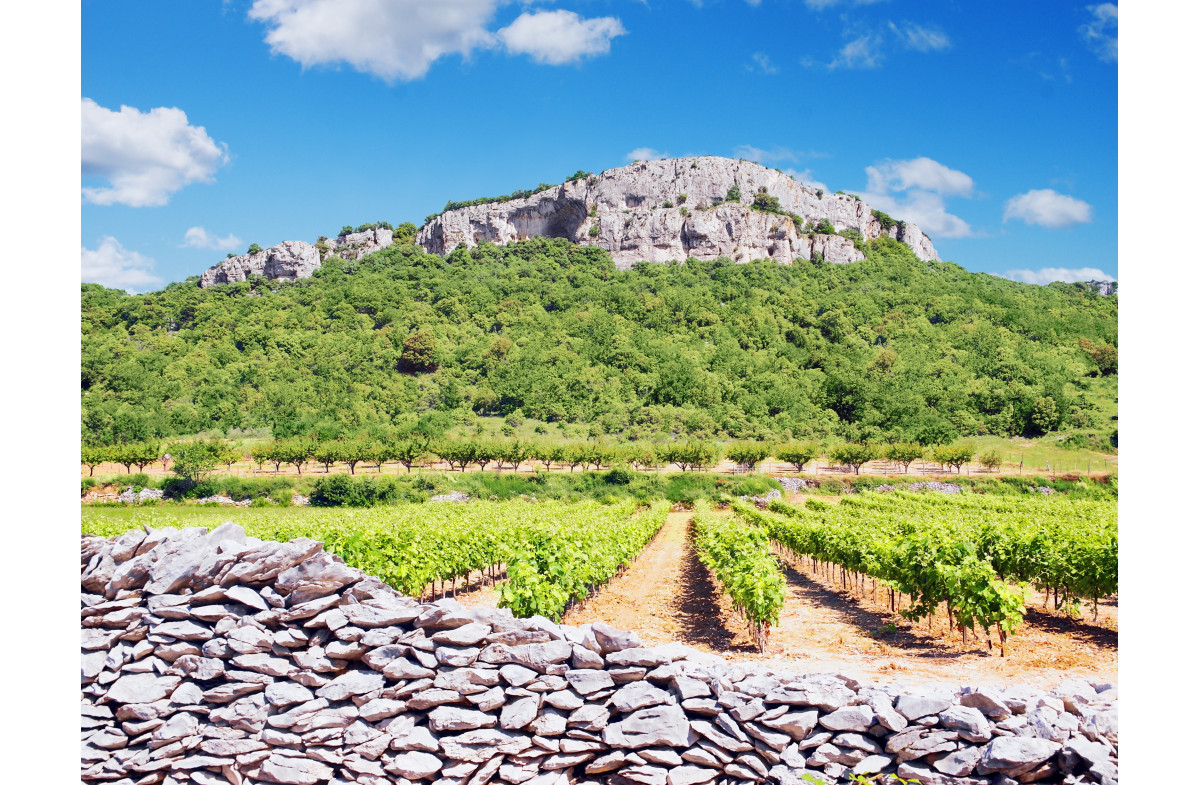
192,459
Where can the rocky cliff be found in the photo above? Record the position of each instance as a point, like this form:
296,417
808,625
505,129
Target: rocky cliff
356,245
290,259
660,211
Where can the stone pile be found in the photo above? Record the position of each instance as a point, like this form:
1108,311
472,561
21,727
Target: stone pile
218,659
796,484
933,485
762,502
127,496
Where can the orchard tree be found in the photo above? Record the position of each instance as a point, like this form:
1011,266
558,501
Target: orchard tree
748,454
92,455
904,453
193,460
854,454
408,452
327,454
798,454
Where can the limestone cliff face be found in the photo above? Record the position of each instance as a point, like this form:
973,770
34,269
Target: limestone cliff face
290,259
624,211
356,245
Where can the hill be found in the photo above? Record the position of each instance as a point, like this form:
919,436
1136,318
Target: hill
889,347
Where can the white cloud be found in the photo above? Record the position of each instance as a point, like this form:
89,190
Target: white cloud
1048,274
646,154
924,173
774,155
916,190
862,52
807,178
1049,208
1096,33
114,266
401,39
763,62
922,39
388,38
145,156
559,37
199,237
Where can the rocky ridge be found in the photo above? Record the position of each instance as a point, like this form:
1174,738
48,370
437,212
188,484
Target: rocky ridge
663,211
214,658
289,260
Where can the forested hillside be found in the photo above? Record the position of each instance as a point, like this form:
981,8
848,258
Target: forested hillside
890,347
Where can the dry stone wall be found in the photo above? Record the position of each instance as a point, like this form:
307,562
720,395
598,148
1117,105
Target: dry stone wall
218,659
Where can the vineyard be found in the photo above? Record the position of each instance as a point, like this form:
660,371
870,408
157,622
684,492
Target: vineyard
971,555
552,553
971,560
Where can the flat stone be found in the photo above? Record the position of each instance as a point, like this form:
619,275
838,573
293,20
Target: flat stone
287,770
445,718
638,695
1015,755
658,725
141,688
970,723
914,706
586,682
414,765
959,763
849,718
351,683
286,693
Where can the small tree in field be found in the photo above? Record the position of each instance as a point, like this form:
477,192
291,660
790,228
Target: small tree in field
798,454
954,455
748,454
193,460
854,454
408,452
92,456
229,455
991,460
327,454
904,453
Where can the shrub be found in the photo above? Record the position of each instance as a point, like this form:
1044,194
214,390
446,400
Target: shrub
594,230
832,487
254,248
734,194
620,475
885,221
824,227
766,203
991,459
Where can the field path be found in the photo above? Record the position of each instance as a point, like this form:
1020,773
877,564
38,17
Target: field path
667,595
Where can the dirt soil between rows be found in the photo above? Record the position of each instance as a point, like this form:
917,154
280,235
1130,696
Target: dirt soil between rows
668,595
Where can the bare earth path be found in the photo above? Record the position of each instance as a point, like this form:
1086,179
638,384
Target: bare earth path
668,595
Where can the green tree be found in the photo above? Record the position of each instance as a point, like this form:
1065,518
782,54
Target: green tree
193,460
904,453
254,248
798,454
1044,416
92,456
854,454
734,194
420,353
748,454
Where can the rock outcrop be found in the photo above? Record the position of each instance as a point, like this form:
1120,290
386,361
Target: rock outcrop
660,211
356,245
291,259
217,659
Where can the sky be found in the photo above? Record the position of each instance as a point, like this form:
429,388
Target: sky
208,126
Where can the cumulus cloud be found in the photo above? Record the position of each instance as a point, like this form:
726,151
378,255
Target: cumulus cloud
1100,31
763,63
916,191
862,52
806,177
1049,274
401,39
199,237
144,156
1049,208
922,39
560,37
646,154
924,173
112,265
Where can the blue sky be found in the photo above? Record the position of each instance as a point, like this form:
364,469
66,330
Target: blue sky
209,126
